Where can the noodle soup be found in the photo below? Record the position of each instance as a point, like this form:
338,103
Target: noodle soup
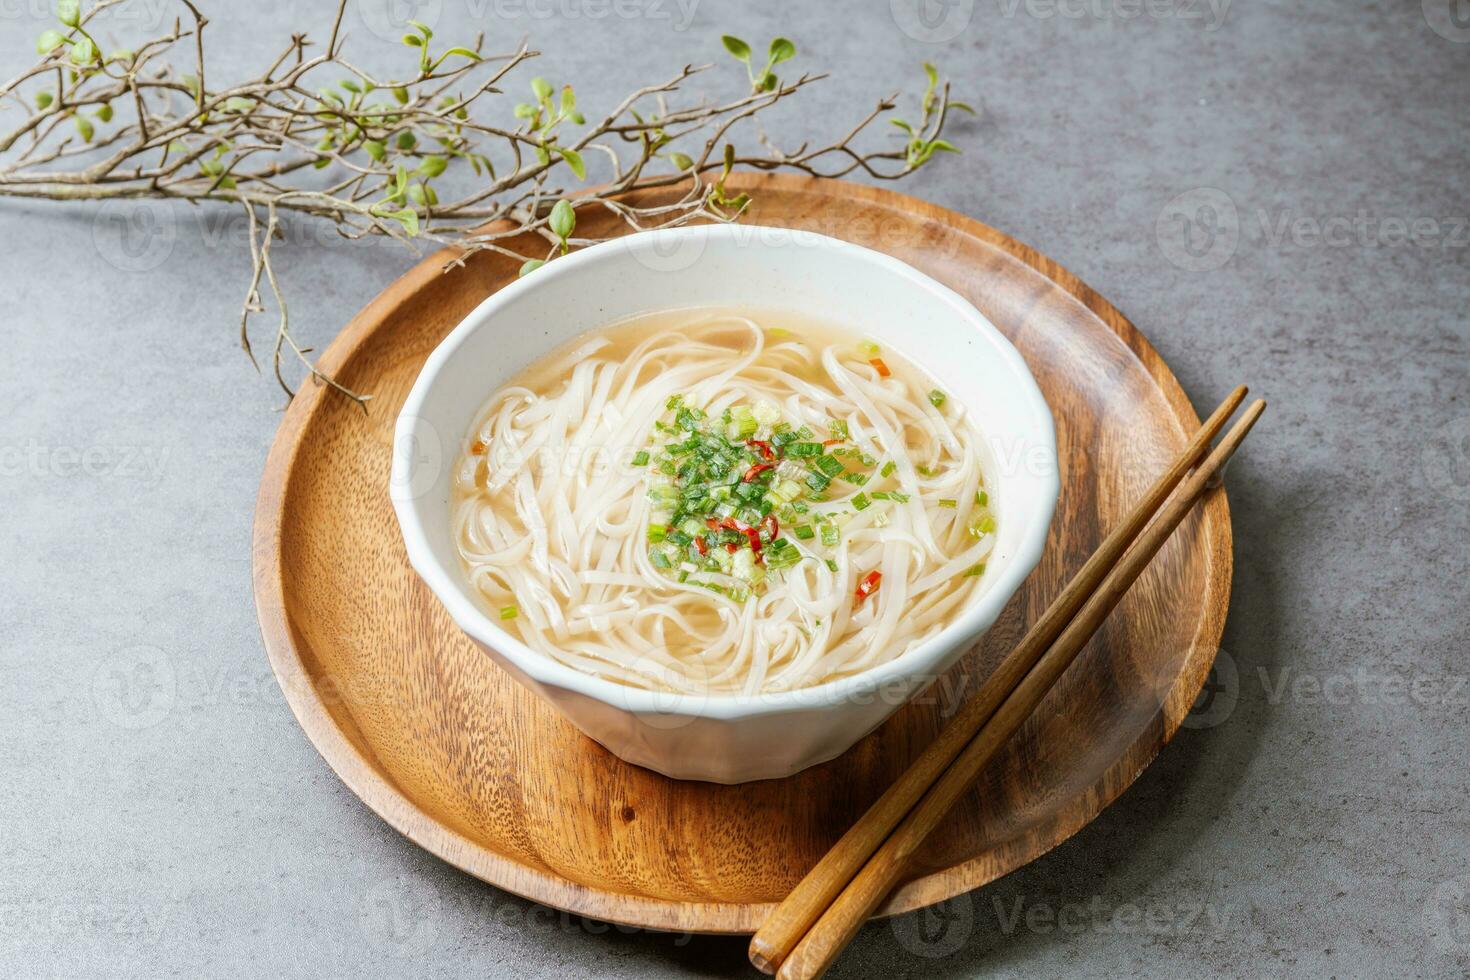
726,502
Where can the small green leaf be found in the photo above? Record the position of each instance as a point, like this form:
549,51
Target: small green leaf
542,88
963,107
413,40
236,103
680,160
121,54
563,220
422,29
69,12
901,124
84,126
736,47
375,149
43,100
407,140
83,51
432,166
320,162
408,218
576,117
524,110
543,156
944,145
932,72
400,94
568,99
531,265
226,183
49,41
104,113
767,82
462,52
574,160
782,50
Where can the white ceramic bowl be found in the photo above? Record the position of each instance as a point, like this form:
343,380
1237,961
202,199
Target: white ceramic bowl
726,738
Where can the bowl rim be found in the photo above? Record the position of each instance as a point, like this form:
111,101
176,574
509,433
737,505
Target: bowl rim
918,663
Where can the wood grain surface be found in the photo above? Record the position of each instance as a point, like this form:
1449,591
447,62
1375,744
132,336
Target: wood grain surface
460,759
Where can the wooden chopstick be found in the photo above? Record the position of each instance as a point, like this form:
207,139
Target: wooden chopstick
841,920
799,911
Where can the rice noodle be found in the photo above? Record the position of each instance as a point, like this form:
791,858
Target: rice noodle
551,516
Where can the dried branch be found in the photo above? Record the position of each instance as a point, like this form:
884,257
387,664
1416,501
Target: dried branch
320,136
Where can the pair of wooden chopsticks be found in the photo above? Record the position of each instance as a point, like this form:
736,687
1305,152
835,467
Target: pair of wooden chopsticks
816,921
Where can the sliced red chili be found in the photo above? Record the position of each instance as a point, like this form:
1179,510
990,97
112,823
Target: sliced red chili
883,371
732,547
832,442
762,447
773,530
699,543
868,585
756,471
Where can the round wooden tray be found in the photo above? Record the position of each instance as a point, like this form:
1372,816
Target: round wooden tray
460,759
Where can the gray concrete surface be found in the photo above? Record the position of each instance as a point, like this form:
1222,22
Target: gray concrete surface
164,816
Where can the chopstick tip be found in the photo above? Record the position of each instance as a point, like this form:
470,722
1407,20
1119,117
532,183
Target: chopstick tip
760,957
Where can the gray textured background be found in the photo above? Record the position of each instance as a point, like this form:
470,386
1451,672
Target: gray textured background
164,815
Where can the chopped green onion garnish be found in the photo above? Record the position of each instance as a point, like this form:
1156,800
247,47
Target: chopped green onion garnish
674,402
508,612
640,458
838,428
804,531
861,501
659,559
977,570
946,502
829,465
888,468
830,537
869,348
857,478
831,567
982,498
804,449
656,533
937,398
925,471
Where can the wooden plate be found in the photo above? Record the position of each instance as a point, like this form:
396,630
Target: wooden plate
464,762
